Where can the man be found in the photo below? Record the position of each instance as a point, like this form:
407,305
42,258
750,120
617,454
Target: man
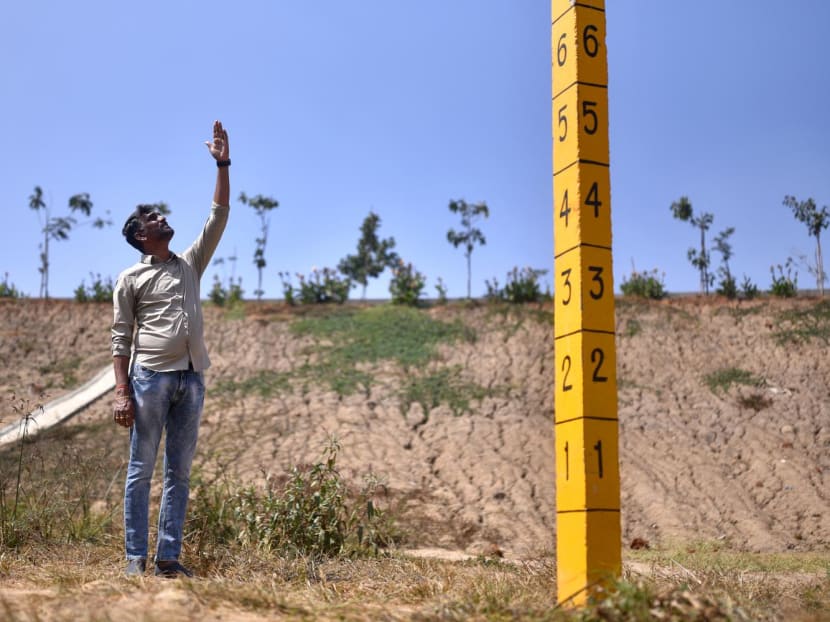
159,355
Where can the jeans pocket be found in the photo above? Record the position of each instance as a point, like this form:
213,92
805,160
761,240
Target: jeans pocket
142,374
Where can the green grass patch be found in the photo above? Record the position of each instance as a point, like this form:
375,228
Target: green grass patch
347,340
443,386
802,325
633,327
67,369
266,383
722,379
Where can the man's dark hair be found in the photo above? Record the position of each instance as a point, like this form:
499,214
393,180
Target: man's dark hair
134,225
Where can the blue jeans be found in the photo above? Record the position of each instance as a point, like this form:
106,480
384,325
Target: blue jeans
170,401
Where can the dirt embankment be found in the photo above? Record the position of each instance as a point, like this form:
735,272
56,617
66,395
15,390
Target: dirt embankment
724,426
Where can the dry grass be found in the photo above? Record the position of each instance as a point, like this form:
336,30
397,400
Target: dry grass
84,582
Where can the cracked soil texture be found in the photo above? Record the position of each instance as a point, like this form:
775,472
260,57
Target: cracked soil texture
746,463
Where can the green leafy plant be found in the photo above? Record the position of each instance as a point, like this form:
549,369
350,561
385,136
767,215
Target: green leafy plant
727,285
287,288
262,205
226,290
785,283
521,286
749,290
323,287
816,220
312,514
228,296
700,259
441,290
57,228
97,291
8,290
373,254
470,235
644,285
406,285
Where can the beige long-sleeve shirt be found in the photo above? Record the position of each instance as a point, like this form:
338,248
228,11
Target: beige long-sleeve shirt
157,309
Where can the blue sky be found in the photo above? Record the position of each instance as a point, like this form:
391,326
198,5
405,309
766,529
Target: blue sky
338,108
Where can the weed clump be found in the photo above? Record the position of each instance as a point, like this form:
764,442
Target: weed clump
312,514
722,379
644,285
805,324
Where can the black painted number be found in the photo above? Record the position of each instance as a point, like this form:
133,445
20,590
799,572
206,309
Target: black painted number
567,283
588,113
564,211
598,357
563,121
566,368
592,199
597,270
589,42
598,448
562,50
567,466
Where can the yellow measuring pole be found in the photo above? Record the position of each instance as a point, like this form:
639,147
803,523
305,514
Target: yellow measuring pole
588,542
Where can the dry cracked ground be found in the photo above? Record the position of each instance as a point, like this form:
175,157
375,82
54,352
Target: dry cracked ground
724,414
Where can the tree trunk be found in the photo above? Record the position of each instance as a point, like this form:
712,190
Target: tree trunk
704,278
45,276
819,267
469,274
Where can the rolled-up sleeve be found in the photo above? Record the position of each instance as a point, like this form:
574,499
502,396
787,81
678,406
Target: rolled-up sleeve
123,304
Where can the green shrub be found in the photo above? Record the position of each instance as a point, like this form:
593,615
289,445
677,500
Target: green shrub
287,288
406,285
312,514
8,290
748,289
521,286
441,289
323,287
727,287
784,285
644,285
226,296
97,291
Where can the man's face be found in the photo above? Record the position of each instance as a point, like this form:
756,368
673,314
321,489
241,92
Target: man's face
156,227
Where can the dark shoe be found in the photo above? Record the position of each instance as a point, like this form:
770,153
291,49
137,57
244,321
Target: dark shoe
172,570
136,567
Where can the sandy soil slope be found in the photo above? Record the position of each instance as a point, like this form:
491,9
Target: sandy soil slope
748,465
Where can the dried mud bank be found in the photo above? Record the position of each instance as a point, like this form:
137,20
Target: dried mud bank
724,418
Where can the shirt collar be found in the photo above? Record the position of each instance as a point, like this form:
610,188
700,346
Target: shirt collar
151,259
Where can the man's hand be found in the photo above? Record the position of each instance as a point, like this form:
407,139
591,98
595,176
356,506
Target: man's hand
218,147
123,409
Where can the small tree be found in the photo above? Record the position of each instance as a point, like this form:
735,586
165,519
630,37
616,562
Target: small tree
262,205
682,210
816,220
727,286
57,228
373,254
469,236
